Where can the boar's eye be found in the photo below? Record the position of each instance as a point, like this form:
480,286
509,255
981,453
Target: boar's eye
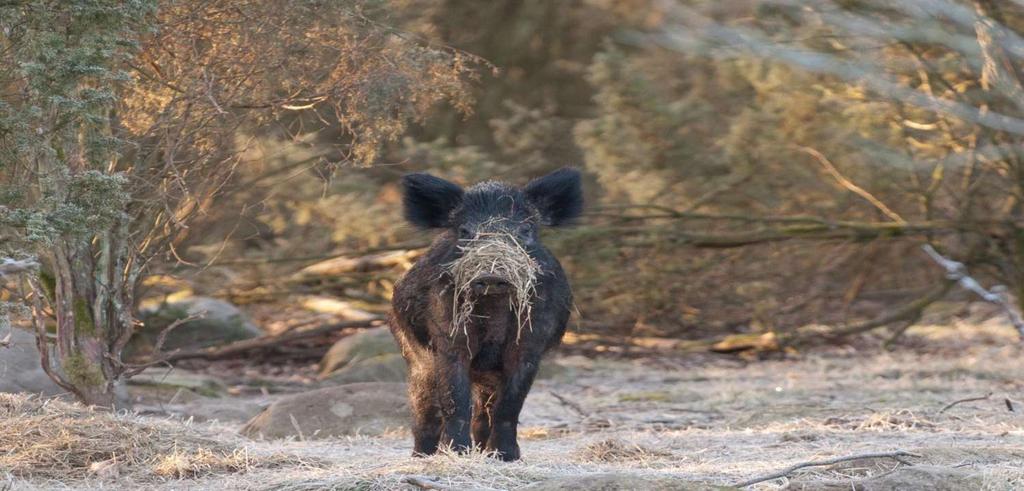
525,229
465,232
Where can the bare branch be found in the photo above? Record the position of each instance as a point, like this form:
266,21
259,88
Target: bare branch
961,401
817,463
851,186
997,295
162,337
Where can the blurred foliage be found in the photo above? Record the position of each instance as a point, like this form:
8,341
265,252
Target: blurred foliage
122,122
693,144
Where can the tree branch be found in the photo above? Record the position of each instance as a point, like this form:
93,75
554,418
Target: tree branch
961,401
851,186
908,313
817,463
997,295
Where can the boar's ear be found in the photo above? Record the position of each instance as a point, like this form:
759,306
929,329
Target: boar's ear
558,196
428,201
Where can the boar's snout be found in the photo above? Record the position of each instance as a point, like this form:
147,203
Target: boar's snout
490,285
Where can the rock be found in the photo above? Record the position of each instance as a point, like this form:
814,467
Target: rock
224,409
362,345
188,405
172,379
221,323
383,368
187,394
20,370
355,409
620,481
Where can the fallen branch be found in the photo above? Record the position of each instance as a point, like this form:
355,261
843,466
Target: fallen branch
424,483
262,342
961,401
957,271
569,404
908,313
835,460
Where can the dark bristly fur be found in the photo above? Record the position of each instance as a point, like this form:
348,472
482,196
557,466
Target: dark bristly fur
468,386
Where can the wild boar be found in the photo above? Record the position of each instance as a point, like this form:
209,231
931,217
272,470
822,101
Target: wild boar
475,314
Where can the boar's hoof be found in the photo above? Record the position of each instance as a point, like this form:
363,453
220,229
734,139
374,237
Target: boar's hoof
509,454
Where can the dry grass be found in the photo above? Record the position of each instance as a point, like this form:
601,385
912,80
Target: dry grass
51,439
716,422
617,450
498,253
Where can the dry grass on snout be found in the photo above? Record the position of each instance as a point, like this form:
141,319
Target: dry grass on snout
499,254
50,439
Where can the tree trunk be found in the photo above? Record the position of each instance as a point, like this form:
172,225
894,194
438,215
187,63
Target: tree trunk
91,297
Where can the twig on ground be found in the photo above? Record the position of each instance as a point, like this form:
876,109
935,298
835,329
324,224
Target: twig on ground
569,404
896,455
961,401
424,483
957,271
897,333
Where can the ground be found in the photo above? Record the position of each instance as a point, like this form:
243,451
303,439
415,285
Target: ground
712,419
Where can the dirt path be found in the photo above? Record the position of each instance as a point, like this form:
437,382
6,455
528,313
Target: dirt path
719,423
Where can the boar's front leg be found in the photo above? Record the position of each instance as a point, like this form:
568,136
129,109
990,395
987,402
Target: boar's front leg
518,376
455,400
426,425
483,404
